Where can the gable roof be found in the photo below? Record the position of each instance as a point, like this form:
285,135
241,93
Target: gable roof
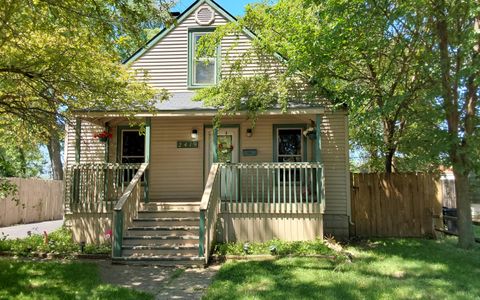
166,30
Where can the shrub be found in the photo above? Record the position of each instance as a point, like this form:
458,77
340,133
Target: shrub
57,242
275,247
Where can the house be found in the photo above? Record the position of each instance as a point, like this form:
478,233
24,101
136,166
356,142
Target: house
170,192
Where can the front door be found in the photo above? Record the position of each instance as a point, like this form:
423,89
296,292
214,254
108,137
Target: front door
227,145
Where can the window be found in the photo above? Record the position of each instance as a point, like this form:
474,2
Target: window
289,145
132,147
203,70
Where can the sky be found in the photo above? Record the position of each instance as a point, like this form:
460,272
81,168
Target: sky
235,7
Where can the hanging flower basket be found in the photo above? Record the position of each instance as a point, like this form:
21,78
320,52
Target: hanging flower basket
103,136
310,133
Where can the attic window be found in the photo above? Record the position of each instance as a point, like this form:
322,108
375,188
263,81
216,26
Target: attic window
204,16
203,70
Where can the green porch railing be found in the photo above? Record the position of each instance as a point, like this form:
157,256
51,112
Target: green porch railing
269,188
95,188
126,209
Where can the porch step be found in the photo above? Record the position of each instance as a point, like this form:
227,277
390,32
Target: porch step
160,260
164,233
147,214
148,240
163,230
172,250
171,206
166,221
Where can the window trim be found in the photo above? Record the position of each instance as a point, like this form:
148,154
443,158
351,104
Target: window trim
276,128
120,130
190,76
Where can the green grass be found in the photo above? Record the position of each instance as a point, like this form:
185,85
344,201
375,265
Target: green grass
57,280
476,230
386,269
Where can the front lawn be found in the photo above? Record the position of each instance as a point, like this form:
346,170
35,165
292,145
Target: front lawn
57,280
385,269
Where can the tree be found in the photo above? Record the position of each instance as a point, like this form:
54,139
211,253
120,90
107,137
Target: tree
63,56
456,32
368,54
19,152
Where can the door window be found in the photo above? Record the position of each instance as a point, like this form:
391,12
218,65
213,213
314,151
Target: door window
289,145
133,147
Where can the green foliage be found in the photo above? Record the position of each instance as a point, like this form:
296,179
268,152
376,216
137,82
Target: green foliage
8,189
371,55
61,57
282,248
381,269
57,242
23,279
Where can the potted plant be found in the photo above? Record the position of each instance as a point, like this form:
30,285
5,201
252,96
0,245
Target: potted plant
310,133
103,136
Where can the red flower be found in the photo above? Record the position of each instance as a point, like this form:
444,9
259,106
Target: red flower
103,135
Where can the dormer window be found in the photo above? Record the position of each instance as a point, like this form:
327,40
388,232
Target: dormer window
203,71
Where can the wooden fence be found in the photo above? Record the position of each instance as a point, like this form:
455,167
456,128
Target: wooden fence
395,205
38,200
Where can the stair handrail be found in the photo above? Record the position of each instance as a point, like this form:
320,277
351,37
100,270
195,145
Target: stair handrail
126,209
209,210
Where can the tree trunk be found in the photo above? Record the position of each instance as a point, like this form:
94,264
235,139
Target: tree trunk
466,238
53,147
389,160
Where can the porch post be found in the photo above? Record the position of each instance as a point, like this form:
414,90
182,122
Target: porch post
318,158
148,129
318,141
215,144
76,174
107,144
78,132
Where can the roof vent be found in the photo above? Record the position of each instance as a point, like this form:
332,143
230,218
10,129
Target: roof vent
204,16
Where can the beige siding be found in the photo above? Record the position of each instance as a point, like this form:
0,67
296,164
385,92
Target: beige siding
91,150
166,63
179,173
264,227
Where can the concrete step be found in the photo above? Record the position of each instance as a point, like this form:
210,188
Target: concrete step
143,214
171,206
167,221
165,240
164,260
174,250
162,230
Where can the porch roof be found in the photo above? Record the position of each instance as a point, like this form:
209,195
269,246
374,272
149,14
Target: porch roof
182,104
184,101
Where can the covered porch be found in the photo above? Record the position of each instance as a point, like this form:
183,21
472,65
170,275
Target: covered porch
246,183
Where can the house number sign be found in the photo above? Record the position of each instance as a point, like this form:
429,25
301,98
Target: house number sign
187,144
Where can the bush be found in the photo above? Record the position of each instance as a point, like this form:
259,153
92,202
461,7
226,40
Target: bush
58,242
275,247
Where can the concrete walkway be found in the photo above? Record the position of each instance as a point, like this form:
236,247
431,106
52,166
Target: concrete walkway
22,230
163,282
